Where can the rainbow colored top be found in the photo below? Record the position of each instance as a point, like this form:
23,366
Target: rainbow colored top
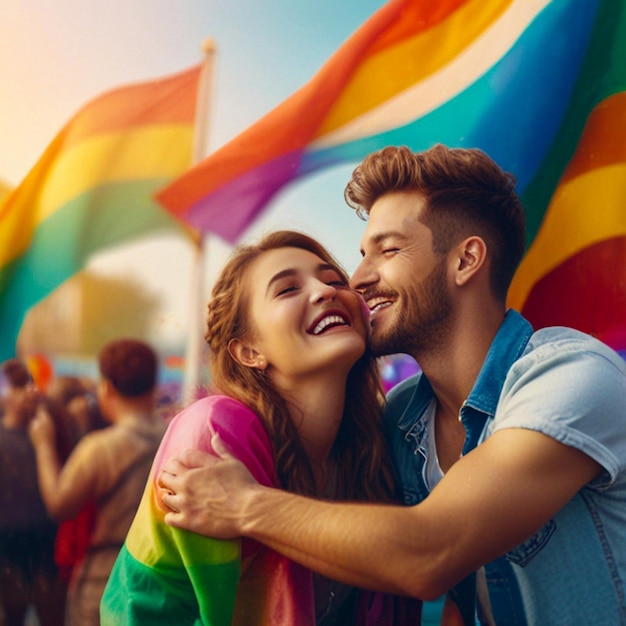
165,575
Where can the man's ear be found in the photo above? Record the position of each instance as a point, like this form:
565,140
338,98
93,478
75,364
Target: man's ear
471,256
246,355
106,388
107,397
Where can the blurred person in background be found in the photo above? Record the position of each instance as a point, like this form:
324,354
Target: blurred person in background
79,398
76,400
107,466
28,574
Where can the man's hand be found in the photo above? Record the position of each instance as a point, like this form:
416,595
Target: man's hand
206,494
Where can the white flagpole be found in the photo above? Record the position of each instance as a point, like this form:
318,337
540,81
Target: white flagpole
197,317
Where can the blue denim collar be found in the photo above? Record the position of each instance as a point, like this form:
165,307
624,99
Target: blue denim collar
507,346
417,404
480,407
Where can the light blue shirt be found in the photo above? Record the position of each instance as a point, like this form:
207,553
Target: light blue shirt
570,387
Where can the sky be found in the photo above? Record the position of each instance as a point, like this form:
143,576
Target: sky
56,55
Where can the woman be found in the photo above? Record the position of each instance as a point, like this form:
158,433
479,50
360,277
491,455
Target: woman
299,403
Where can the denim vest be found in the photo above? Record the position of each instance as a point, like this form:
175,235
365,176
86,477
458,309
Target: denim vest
407,437
573,389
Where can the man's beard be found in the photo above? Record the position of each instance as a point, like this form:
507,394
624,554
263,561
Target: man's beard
421,325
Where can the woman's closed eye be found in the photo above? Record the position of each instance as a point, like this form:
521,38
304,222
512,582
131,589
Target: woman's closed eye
337,283
285,289
331,277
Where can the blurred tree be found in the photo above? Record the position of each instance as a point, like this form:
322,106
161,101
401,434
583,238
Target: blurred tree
86,312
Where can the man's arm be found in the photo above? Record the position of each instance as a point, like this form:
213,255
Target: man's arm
63,493
489,501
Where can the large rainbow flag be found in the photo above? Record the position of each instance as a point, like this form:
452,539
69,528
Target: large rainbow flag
92,188
5,190
537,84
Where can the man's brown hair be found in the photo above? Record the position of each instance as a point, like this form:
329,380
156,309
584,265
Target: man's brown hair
466,194
130,365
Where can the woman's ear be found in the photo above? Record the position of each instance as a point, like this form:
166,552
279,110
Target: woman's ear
246,355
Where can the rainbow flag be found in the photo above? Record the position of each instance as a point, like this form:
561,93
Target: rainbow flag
92,189
165,576
5,190
537,84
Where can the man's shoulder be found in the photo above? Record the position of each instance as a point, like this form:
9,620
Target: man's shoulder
569,344
97,437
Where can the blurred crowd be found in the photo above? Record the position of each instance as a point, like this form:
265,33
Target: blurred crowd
75,454
74,459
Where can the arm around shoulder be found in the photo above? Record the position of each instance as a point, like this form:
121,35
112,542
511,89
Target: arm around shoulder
489,501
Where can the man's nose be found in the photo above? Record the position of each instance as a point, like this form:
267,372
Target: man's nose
363,276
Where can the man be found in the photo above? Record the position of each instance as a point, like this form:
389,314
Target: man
517,438
108,467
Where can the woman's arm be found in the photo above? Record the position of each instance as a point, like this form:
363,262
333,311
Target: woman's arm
167,575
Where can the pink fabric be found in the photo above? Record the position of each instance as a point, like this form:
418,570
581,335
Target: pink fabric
272,589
